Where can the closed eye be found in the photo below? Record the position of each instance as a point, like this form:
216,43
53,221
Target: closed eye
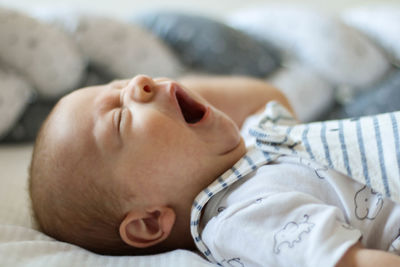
122,118
117,117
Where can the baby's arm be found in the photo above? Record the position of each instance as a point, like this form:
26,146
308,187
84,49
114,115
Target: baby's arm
360,256
237,96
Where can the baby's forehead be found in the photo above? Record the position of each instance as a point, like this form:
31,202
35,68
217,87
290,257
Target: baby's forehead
70,124
79,101
74,113
83,94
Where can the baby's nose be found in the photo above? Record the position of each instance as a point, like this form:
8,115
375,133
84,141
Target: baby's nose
141,88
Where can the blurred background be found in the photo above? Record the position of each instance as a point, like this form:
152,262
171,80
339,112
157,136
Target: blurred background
208,7
333,59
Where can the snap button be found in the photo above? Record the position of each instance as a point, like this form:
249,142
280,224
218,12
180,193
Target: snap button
220,209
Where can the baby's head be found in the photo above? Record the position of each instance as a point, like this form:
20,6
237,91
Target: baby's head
115,168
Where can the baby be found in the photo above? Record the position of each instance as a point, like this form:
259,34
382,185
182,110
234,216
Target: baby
117,169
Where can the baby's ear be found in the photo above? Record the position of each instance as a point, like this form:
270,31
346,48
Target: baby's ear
143,229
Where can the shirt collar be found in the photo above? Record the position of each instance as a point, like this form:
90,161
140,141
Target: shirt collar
267,139
253,159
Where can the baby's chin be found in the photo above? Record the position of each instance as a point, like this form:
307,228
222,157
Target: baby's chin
237,151
229,135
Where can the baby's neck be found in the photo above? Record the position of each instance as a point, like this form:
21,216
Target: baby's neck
180,237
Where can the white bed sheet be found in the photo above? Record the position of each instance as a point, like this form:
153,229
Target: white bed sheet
22,245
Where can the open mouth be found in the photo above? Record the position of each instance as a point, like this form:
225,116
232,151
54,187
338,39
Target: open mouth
191,110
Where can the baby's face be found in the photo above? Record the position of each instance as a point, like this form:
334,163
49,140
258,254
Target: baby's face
153,135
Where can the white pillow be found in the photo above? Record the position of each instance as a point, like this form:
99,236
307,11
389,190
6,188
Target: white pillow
114,48
122,50
316,39
381,23
309,94
14,97
44,55
22,245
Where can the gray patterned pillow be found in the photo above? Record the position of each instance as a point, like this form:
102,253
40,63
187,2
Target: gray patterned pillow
210,46
120,50
380,23
47,57
318,40
310,95
115,49
380,98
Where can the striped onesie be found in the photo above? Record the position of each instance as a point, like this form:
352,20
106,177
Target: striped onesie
367,148
245,217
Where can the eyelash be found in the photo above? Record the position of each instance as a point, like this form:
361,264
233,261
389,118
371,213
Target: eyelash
118,115
122,116
119,119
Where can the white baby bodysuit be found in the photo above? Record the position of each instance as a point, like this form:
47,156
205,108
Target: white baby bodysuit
295,212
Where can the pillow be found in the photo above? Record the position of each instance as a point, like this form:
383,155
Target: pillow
15,93
121,50
316,39
114,48
310,95
380,98
209,46
44,55
380,23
